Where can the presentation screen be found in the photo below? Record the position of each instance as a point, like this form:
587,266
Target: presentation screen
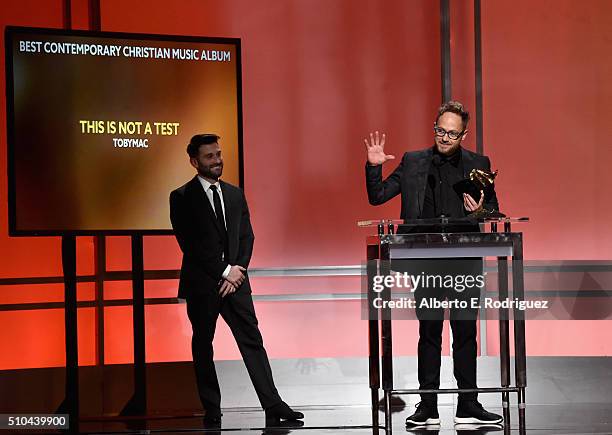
98,125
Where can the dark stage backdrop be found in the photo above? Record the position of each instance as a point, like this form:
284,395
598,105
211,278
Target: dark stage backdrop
317,76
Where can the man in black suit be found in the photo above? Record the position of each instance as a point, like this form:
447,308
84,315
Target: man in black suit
211,223
425,181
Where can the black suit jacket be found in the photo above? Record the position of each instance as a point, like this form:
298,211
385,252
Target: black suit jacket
410,179
199,235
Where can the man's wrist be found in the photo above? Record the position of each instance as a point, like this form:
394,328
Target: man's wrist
226,272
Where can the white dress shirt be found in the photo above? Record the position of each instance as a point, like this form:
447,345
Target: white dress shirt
209,194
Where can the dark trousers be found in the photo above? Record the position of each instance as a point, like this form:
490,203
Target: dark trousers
463,326
464,356
239,313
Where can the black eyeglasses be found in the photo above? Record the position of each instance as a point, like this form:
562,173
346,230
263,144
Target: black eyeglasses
454,135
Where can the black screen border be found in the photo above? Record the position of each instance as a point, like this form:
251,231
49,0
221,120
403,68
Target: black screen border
10,32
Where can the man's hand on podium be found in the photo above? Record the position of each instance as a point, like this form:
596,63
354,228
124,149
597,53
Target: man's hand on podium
376,149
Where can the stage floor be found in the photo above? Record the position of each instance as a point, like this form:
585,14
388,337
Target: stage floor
541,419
565,395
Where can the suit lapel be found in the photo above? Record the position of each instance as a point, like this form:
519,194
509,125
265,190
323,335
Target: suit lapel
467,161
227,203
422,170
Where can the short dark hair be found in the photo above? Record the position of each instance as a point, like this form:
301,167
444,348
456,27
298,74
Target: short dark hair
198,140
454,107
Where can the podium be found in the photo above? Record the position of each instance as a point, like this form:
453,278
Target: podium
445,238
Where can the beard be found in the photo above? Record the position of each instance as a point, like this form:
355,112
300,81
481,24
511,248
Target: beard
213,172
447,148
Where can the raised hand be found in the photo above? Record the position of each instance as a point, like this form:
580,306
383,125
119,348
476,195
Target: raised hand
376,149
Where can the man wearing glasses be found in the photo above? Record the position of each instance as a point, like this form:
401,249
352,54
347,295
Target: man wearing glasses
425,180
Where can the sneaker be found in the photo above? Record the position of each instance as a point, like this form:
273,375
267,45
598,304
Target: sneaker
425,414
472,412
478,429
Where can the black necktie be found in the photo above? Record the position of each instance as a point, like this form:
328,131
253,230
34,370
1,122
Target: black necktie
220,218
218,207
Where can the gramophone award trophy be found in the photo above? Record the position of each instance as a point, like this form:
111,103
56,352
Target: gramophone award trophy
479,181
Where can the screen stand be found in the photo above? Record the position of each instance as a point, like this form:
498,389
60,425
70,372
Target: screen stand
137,405
70,405
100,276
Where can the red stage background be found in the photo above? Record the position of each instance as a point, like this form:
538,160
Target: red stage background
317,77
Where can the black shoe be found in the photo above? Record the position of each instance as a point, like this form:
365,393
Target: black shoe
470,412
282,411
425,414
212,419
397,403
282,427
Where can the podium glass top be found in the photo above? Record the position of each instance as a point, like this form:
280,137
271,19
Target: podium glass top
441,221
